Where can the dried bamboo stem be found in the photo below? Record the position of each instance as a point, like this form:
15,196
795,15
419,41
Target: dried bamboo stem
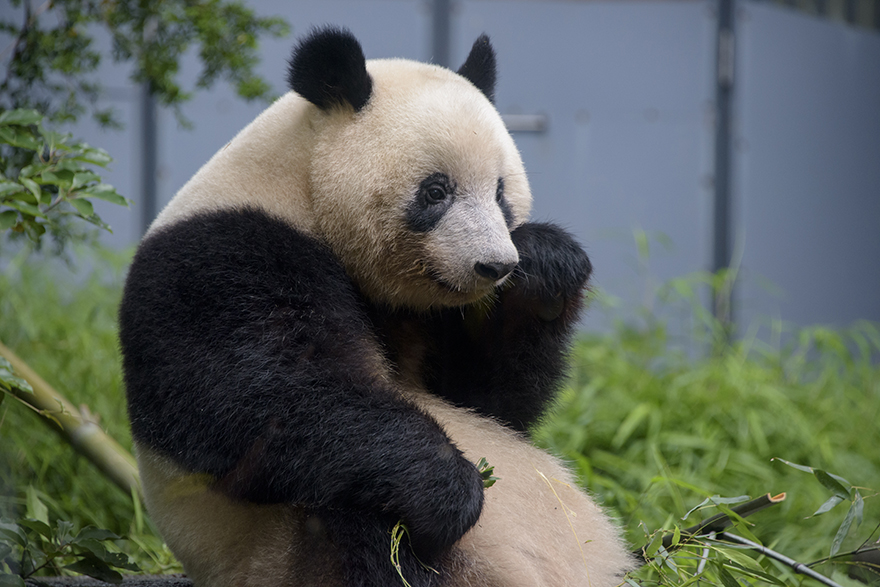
85,436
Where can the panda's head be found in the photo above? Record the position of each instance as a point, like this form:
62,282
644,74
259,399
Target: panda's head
414,181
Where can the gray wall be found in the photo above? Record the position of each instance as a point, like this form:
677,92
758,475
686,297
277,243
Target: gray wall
627,88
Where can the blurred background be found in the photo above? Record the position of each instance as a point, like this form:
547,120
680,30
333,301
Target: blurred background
714,132
689,144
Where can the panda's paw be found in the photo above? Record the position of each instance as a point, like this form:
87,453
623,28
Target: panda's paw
552,272
443,509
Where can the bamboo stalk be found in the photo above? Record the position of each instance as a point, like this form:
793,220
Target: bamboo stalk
719,522
795,566
85,436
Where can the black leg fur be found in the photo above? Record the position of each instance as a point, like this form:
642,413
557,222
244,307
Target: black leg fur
507,361
238,336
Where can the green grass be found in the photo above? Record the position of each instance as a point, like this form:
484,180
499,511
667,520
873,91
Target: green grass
63,324
653,422
654,428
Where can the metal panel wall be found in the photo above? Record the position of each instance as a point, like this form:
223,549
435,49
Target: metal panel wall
626,89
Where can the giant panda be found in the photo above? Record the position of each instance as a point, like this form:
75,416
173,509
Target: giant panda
335,319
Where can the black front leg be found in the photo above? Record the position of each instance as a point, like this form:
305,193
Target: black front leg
507,359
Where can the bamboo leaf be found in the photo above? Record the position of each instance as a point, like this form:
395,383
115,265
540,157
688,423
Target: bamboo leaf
726,578
803,468
831,484
859,507
828,505
843,530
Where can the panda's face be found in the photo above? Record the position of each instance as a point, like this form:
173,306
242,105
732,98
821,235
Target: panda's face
418,191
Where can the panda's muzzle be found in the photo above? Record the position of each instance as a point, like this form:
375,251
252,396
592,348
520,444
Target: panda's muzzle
493,271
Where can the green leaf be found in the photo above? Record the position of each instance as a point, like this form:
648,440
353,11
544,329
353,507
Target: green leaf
859,507
831,484
93,567
63,531
92,533
844,528
24,207
803,468
36,509
93,155
828,505
37,526
11,581
19,137
20,116
7,378
84,207
34,188
726,578
676,536
13,533
10,187
5,549
93,546
755,570
486,471
61,177
716,500
106,192
82,178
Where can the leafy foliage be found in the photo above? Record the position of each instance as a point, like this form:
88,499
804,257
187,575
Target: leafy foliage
662,432
657,418
54,53
32,545
53,183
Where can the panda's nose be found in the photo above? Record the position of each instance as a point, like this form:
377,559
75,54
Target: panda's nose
494,271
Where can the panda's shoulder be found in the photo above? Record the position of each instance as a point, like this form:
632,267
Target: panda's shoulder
240,253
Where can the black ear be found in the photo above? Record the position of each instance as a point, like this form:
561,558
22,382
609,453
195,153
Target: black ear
479,67
328,69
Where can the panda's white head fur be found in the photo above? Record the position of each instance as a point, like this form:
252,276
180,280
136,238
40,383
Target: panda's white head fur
415,182
404,169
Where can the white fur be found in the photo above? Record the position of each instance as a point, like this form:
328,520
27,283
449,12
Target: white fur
345,178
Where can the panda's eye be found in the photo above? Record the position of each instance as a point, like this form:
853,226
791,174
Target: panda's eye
499,190
435,194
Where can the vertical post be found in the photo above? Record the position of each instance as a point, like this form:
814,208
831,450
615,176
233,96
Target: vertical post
440,31
721,254
149,158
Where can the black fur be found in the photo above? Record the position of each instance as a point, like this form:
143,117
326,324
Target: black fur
479,67
328,69
426,209
247,355
251,356
507,362
503,203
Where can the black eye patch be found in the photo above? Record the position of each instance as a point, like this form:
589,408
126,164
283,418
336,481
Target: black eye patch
433,198
503,203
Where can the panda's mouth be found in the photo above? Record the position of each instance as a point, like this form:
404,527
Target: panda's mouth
461,294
